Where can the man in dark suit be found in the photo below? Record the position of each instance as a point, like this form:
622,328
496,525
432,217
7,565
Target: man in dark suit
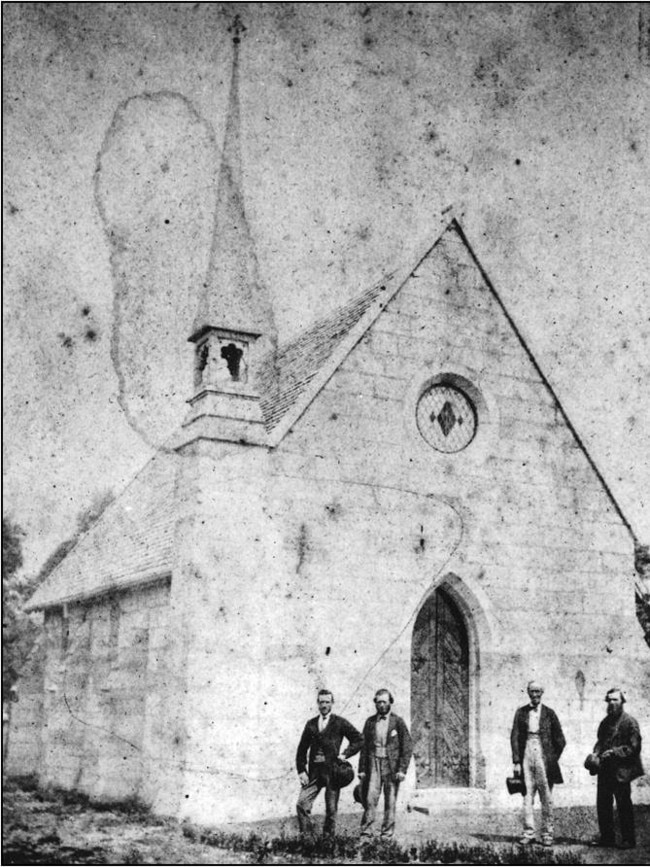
321,740
619,750
537,743
383,763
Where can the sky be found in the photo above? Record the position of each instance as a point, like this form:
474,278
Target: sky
361,124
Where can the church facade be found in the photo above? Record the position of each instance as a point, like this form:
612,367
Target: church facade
395,498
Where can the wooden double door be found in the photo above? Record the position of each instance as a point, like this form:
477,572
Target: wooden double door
440,694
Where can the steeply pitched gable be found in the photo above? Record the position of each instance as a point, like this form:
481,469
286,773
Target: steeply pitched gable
310,360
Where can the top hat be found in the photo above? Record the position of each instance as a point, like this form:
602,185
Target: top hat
516,785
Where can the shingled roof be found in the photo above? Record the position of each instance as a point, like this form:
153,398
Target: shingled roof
132,542
301,359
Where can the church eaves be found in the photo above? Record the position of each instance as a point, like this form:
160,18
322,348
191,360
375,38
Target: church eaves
132,543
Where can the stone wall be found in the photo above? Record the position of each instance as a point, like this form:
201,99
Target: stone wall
542,549
106,679
314,560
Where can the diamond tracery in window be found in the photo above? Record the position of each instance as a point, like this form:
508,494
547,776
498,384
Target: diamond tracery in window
446,418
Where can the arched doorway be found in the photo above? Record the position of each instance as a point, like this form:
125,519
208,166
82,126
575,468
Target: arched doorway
440,693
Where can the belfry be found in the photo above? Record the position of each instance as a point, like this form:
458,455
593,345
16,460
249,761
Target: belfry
234,329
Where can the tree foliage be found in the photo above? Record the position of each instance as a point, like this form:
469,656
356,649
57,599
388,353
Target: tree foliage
12,549
19,630
642,564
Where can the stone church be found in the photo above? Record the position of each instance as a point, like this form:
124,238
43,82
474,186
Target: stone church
395,498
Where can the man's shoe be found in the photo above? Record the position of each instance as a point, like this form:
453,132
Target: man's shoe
527,840
547,841
627,844
606,844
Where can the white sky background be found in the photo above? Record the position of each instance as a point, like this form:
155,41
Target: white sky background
361,123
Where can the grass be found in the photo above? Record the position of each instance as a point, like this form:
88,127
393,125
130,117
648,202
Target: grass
60,800
42,824
345,847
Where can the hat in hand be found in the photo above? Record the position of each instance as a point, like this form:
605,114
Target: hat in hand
343,774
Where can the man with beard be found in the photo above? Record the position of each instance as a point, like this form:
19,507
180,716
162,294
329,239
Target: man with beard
619,749
383,763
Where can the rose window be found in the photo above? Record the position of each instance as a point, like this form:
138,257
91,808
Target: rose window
446,418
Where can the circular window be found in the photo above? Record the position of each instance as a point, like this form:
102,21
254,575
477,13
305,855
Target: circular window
446,418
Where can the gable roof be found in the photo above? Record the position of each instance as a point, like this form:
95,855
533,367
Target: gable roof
308,362
304,364
132,542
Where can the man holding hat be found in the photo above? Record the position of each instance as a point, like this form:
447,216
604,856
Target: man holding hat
321,740
619,749
537,743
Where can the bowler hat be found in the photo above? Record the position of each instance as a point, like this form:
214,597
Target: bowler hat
359,795
516,785
342,773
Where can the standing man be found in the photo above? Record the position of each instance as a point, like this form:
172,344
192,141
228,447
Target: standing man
321,739
619,750
537,743
383,763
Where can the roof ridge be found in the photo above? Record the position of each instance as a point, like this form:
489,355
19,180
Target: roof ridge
357,301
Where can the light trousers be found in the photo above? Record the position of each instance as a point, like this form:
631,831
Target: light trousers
380,778
536,782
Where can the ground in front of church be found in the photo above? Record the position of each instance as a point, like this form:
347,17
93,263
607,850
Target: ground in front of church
49,828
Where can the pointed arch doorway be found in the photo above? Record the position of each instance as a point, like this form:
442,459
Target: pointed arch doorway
440,693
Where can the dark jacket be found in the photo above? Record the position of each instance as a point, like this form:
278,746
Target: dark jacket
550,735
329,741
624,738
399,747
